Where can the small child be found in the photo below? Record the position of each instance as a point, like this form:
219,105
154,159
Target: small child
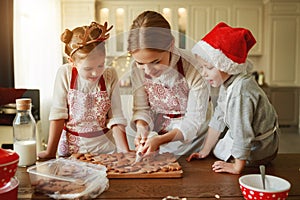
243,107
86,115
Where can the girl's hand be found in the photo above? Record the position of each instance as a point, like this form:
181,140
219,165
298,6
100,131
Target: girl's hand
151,145
200,155
142,133
44,155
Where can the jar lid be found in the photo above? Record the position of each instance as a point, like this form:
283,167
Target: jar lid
23,104
7,156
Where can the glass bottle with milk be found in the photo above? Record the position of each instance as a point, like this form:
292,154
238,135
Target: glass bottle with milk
24,128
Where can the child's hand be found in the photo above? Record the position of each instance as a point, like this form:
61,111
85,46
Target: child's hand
232,168
199,155
141,135
151,145
44,155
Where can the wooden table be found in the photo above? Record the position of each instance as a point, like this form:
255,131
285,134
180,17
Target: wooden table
198,182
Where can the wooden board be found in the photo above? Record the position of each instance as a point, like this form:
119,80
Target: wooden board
123,165
171,174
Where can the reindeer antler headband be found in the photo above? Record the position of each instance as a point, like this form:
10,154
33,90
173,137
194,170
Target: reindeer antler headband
104,35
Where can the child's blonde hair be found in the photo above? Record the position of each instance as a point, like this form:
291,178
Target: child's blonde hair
82,40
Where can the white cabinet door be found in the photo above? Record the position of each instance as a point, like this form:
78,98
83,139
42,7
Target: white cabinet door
77,13
120,14
282,39
204,17
221,13
251,17
135,9
286,103
284,53
200,23
177,16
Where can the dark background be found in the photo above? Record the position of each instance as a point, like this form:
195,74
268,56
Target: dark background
6,44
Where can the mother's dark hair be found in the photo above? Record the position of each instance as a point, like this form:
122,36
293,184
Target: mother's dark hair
150,30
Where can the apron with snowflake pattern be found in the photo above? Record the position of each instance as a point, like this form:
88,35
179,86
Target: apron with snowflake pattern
168,104
85,130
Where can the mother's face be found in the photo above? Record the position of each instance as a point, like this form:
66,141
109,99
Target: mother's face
154,63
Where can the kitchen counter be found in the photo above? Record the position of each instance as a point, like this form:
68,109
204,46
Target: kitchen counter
198,182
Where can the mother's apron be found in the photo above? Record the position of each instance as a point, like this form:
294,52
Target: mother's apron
168,104
223,148
85,130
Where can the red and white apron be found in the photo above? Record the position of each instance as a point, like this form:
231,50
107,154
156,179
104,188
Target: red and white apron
85,130
168,104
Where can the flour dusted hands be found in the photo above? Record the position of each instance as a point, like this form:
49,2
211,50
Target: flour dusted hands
145,142
142,133
151,145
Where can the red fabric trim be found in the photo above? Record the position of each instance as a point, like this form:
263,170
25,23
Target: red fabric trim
75,74
102,84
180,67
73,78
174,115
88,134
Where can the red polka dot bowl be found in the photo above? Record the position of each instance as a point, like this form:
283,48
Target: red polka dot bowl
8,165
252,187
10,190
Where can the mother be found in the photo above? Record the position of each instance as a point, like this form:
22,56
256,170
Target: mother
170,96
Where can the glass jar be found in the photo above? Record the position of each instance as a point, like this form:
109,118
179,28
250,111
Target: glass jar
24,129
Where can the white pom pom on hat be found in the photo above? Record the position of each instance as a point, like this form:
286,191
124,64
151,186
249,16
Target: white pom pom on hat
226,48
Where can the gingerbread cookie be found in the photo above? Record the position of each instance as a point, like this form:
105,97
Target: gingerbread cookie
124,163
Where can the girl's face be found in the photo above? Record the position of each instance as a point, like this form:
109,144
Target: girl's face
91,68
211,74
154,63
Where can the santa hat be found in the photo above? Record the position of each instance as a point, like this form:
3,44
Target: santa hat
226,48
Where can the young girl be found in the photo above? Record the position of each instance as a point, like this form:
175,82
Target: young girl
243,107
170,96
86,115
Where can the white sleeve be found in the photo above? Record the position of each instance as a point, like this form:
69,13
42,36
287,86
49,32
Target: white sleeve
115,114
197,105
141,107
59,108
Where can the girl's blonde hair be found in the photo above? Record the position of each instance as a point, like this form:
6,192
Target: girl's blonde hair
150,30
82,40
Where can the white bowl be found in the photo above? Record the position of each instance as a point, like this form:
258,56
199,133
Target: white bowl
252,187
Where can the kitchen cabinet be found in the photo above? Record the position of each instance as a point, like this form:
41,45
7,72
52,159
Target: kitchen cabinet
248,14
120,14
274,23
282,42
190,20
77,13
286,103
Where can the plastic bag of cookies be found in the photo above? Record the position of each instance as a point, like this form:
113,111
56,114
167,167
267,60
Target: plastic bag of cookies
68,179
